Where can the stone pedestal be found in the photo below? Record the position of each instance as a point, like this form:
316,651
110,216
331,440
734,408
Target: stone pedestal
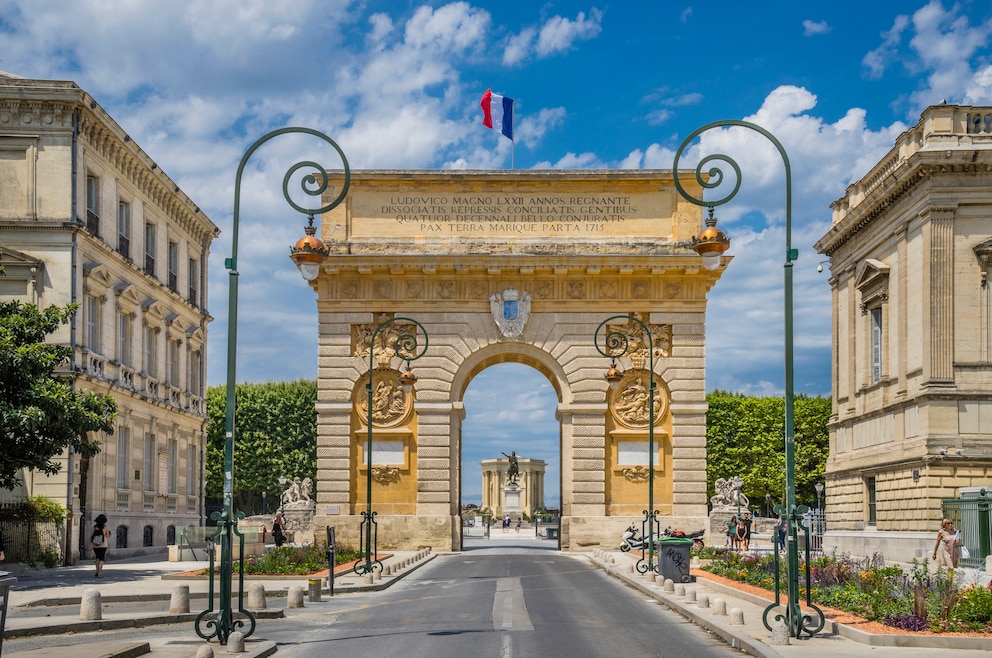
511,496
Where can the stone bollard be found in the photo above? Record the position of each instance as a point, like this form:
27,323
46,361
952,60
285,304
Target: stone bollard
205,651
387,570
236,642
680,591
179,602
367,579
611,559
294,597
377,575
736,617
91,606
630,568
719,607
704,600
690,596
669,586
659,580
256,596
780,633
694,562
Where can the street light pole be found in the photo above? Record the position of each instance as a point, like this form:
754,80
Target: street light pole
708,245
308,254
404,345
615,345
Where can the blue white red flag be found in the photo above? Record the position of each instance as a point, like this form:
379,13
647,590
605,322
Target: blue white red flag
497,113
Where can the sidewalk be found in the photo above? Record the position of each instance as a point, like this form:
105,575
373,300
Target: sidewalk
137,592
835,640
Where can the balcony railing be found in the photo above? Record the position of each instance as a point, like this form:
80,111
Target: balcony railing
124,246
149,264
123,501
93,222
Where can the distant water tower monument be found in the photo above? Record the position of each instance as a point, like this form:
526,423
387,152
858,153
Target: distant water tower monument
513,485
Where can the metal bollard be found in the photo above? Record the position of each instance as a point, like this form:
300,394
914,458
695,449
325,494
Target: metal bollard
313,590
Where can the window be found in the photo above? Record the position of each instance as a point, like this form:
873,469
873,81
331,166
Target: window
124,229
173,454
124,338
93,204
195,376
876,344
193,280
191,470
123,438
150,249
150,353
92,311
173,267
149,462
174,345
872,510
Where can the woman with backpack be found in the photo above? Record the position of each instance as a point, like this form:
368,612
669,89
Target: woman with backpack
99,539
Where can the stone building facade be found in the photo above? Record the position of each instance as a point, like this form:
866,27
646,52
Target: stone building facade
529,490
910,253
485,267
87,217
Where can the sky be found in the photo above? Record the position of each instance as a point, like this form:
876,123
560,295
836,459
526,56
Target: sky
596,85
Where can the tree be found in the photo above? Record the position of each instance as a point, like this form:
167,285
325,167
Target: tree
41,415
275,435
745,436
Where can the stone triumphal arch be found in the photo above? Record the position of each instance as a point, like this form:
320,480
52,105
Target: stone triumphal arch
517,266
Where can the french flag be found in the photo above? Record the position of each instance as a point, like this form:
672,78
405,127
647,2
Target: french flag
497,111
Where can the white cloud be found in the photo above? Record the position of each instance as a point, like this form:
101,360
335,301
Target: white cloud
877,60
811,28
556,36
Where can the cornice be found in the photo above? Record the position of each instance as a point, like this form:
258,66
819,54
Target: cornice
885,196
41,106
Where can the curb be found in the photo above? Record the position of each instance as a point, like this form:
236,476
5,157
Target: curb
726,632
58,627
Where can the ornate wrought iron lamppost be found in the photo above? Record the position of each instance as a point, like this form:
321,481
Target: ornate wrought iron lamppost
615,345
710,244
308,254
404,345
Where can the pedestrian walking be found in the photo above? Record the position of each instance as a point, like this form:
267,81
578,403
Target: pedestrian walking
279,530
99,540
747,522
945,551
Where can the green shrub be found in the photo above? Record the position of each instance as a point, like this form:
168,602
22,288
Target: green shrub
974,607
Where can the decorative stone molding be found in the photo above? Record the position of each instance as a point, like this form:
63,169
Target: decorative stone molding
385,474
636,474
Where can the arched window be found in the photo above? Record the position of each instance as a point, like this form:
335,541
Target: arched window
148,536
121,532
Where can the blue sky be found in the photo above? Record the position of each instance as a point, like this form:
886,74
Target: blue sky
616,85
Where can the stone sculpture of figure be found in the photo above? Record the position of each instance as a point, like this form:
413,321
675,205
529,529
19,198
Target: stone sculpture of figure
514,470
305,489
729,494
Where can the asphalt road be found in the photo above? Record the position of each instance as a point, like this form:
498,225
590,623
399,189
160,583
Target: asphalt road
484,605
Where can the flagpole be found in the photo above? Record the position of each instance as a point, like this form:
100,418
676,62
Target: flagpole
513,142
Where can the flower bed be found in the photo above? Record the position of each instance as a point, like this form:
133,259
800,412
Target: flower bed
918,600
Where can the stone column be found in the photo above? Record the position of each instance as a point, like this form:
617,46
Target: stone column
940,222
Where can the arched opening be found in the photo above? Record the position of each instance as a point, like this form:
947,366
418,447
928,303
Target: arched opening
510,409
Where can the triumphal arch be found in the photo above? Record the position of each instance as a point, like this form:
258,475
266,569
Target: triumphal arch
519,266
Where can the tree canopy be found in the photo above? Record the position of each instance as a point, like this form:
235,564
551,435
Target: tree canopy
275,435
41,414
745,436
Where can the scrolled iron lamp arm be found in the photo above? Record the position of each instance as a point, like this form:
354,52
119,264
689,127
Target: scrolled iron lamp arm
405,346
307,254
616,344
713,178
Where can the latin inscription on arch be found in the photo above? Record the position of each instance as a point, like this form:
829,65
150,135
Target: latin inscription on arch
512,214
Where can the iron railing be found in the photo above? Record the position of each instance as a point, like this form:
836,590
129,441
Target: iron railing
973,517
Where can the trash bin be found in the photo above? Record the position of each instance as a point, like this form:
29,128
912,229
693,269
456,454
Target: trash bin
674,557
6,580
